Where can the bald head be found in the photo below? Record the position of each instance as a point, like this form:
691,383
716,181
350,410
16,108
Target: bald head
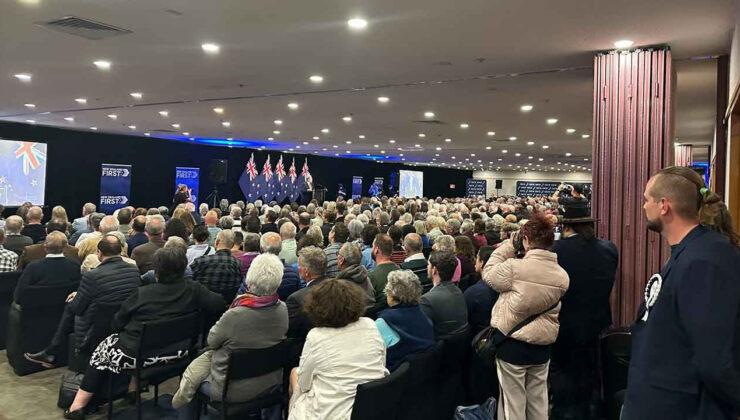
413,244
55,242
34,215
211,218
270,243
110,246
108,224
155,226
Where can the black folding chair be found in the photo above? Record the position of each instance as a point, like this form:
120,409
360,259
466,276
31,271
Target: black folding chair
79,353
381,399
245,364
158,338
423,384
8,281
616,349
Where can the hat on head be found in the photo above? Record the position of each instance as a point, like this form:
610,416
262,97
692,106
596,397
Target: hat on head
578,188
576,220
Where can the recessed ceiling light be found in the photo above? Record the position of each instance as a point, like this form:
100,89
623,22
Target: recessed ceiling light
136,95
529,157
349,142
112,116
517,154
570,130
31,121
391,141
210,48
568,154
23,77
29,105
276,132
552,121
623,43
81,101
335,146
383,99
270,138
429,114
293,106
133,127
526,108
417,145
316,78
315,137
94,128
382,151
376,146
102,64
545,146
585,136
530,143
297,147
585,159
448,140
491,133
226,123
305,142
164,113
422,135
218,110
191,138
325,130
175,125
488,147
70,119
361,136
512,138
472,154
437,148
357,23
464,125
229,138
347,118
185,133
278,122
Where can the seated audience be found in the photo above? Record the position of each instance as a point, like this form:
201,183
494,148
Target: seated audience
479,234
93,231
269,224
173,242
92,261
251,246
415,261
381,250
53,269
144,254
465,253
291,281
304,222
81,225
124,220
237,249
211,221
480,297
137,235
324,384
288,250
421,229
89,245
398,255
349,258
170,296
176,227
8,258
493,230
444,305
404,327
446,243
14,241
220,272
255,320
201,247
338,235
33,228
111,282
312,269
36,252
368,236
528,286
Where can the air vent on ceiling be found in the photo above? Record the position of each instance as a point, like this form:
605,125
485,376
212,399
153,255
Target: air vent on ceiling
85,28
431,122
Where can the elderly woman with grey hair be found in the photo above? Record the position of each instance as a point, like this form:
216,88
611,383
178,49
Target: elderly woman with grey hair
404,327
355,232
447,243
255,320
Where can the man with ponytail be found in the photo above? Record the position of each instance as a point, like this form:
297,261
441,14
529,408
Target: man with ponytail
686,339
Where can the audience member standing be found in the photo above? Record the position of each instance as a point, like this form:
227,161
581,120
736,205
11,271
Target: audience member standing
220,272
685,351
415,261
479,297
52,269
529,286
14,241
381,252
33,228
444,304
144,254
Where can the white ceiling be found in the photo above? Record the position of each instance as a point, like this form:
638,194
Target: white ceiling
270,48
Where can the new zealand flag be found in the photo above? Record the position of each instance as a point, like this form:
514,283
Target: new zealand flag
248,181
266,184
281,181
292,188
22,172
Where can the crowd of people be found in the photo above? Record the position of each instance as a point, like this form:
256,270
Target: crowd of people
362,284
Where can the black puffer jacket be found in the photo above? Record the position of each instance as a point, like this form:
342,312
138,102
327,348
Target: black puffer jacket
111,282
357,274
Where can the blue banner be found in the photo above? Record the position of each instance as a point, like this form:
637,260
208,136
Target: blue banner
191,178
475,187
356,187
115,187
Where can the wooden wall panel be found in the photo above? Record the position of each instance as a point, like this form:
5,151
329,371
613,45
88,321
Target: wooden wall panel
633,132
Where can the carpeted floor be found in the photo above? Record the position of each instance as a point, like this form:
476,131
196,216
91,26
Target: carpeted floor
34,397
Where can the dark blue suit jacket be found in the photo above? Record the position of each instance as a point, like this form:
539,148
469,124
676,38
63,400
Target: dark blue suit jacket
685,357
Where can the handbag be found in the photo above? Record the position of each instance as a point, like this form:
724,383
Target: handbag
487,342
68,388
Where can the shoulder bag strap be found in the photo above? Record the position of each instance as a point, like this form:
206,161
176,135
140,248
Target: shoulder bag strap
521,325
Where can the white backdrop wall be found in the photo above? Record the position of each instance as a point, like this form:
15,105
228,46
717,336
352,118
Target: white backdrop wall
510,178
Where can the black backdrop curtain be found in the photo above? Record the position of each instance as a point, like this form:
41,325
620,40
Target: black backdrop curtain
74,158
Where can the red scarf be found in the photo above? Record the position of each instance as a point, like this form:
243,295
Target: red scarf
252,301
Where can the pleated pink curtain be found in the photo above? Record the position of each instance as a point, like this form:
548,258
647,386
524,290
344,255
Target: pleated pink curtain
684,156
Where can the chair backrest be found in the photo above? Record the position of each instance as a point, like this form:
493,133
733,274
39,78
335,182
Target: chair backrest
616,349
380,399
41,297
172,333
8,281
102,318
250,363
425,366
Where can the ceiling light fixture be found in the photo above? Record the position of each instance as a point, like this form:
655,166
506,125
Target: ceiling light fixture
623,44
391,141
218,110
133,127
211,48
383,99
429,114
488,147
552,121
29,105
276,132
164,113
293,106
448,140
70,119
113,116
585,136
278,122
530,143
81,101
325,130
491,133
315,137
94,128
357,24
316,78
570,130
512,138
526,108
568,154
464,125
175,125
24,77
102,64
136,95
226,123
545,146
347,118
31,121
185,133
422,135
